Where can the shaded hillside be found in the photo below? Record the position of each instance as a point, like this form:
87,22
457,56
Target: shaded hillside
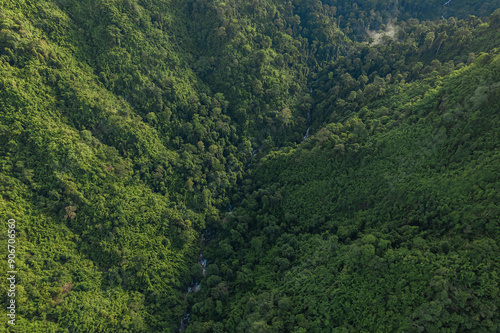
370,226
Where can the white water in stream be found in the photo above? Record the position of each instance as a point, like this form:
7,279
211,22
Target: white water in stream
307,133
194,287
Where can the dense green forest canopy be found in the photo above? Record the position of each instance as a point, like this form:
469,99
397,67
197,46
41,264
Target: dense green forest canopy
335,162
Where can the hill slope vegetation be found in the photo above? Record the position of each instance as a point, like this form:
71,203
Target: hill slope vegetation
336,162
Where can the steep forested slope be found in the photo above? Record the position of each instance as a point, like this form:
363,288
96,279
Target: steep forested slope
129,127
371,226
109,182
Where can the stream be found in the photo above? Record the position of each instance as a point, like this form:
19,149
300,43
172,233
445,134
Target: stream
307,133
446,4
309,120
193,287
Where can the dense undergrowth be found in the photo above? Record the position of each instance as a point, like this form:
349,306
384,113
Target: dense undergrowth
129,127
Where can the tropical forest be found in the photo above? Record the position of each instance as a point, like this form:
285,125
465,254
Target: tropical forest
233,166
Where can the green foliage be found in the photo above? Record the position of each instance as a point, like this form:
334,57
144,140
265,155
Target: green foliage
128,128
383,234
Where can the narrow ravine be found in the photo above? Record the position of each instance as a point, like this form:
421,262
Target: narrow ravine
195,286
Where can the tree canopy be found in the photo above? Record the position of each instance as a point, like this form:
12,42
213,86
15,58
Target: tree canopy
334,162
